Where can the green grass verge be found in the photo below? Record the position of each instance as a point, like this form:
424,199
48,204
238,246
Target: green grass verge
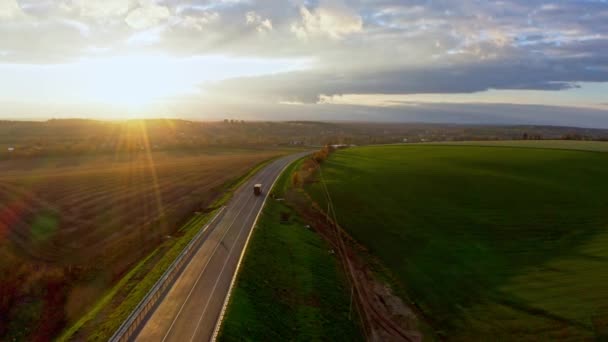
598,146
289,288
491,242
285,180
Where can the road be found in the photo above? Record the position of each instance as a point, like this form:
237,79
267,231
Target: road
192,306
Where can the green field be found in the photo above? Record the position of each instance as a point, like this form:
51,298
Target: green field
289,288
599,146
490,242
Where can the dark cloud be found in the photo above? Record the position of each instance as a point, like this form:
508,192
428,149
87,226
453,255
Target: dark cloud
410,47
483,114
308,86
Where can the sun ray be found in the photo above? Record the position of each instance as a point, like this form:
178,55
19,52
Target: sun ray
152,169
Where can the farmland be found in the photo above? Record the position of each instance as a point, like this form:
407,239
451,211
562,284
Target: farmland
22,139
550,144
499,243
71,226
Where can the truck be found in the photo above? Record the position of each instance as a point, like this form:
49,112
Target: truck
257,189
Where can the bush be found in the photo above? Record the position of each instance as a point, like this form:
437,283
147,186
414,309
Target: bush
321,155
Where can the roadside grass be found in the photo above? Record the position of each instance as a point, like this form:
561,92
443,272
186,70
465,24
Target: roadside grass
489,242
129,291
285,180
581,145
290,287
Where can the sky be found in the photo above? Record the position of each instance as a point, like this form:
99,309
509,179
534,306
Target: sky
473,62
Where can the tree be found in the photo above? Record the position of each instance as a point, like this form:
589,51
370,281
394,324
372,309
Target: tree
296,179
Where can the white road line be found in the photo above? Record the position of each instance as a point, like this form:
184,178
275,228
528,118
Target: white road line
221,273
206,264
203,270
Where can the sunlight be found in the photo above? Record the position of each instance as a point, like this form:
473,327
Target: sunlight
129,84
134,83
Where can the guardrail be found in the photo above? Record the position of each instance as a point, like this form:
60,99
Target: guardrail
131,325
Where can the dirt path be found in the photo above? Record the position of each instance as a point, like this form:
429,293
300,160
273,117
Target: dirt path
384,316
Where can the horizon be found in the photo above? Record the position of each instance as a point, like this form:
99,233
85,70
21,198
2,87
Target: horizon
508,63
337,122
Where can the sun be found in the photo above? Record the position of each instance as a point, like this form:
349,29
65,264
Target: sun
129,96
133,83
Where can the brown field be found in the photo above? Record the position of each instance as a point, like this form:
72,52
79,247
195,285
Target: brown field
71,226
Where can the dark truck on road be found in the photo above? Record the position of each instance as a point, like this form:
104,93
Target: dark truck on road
257,189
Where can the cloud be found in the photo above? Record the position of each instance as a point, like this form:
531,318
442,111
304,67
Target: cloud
331,18
199,21
147,15
260,24
102,9
9,9
309,86
360,34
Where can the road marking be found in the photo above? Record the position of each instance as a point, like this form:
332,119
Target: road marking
248,198
238,203
221,272
203,270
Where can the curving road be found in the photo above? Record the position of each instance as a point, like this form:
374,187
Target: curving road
192,307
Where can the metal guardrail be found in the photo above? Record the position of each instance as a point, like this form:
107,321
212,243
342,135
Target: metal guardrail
132,324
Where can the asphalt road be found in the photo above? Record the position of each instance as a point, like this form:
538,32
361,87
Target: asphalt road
192,306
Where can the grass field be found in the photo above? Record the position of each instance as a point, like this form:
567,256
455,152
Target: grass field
599,146
490,242
71,227
289,288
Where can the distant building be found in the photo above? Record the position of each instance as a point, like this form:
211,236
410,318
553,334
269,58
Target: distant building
337,146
